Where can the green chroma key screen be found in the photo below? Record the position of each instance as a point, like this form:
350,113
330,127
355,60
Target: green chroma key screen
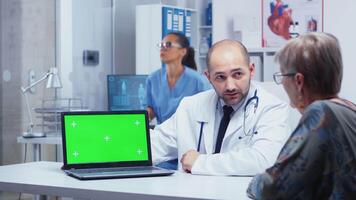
105,138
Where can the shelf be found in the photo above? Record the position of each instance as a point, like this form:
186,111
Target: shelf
59,110
263,50
205,27
50,112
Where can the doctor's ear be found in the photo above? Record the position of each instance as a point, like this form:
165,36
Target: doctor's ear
252,69
207,74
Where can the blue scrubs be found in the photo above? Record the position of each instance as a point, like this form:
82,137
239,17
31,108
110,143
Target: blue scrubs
164,100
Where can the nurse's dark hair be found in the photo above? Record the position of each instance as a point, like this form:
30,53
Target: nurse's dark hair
183,41
318,57
241,50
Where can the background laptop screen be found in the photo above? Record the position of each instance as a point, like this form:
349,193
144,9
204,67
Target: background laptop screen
102,138
126,92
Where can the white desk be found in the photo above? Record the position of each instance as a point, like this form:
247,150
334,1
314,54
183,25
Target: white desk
47,178
36,143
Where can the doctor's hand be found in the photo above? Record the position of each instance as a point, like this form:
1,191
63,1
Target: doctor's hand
188,160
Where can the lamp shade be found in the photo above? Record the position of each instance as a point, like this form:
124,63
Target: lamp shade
53,80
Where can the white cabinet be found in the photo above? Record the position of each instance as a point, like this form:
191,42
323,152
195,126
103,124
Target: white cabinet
263,58
152,23
205,41
205,32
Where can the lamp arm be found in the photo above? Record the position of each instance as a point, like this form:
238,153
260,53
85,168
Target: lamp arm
25,89
30,126
24,92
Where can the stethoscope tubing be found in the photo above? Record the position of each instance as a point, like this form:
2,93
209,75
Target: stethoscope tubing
254,97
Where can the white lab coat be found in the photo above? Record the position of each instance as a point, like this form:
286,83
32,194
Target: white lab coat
247,156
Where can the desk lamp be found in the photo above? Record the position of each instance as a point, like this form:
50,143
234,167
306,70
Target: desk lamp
53,81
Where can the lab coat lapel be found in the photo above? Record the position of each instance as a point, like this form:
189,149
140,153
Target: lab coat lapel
206,114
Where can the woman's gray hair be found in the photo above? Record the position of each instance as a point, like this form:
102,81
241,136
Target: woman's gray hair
318,57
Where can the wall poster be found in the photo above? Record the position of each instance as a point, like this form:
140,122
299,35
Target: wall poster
285,19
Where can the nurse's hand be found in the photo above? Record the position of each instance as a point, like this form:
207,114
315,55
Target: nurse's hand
188,160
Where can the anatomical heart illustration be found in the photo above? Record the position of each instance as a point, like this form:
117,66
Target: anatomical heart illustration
280,19
286,19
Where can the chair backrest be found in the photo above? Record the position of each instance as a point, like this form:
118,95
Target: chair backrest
279,92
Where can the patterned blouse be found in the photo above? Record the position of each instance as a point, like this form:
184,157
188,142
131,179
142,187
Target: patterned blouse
319,159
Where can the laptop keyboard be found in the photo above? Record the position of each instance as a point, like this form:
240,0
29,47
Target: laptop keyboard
122,170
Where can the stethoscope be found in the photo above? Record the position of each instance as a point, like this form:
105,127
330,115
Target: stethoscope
252,99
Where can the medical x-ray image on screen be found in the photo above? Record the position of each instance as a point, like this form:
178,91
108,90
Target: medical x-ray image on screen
126,92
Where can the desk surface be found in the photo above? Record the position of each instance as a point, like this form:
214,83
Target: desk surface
47,178
49,139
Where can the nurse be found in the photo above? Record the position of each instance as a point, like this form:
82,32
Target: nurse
177,79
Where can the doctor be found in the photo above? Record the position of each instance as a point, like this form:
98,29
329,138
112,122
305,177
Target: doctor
236,129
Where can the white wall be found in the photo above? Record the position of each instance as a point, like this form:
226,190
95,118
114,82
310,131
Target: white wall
338,20
64,40
226,11
85,25
124,29
1,140
27,42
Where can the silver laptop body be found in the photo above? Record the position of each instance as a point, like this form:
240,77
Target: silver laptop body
107,144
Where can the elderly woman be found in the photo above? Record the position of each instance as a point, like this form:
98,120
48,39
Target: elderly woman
319,159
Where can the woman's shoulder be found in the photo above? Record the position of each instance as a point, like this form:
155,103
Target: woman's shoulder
156,74
331,105
317,105
315,111
328,109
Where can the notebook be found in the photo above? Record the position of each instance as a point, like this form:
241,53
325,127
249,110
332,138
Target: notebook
107,144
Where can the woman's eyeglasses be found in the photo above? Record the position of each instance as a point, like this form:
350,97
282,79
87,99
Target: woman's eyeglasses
278,76
167,45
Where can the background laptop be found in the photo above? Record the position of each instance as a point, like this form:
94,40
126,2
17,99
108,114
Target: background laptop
109,144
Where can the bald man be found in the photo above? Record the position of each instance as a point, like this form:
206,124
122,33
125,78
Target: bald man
237,128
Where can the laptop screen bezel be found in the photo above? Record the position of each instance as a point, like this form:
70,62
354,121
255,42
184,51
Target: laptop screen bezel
105,164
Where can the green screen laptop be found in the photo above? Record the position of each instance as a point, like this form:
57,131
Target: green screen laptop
113,144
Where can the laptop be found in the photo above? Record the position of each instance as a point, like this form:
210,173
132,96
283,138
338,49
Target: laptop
107,144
